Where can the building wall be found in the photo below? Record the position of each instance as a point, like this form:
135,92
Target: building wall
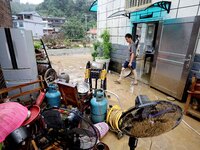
35,26
120,25
5,14
5,21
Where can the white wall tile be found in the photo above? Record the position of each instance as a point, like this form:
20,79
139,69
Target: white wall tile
121,40
184,3
114,40
187,12
122,31
174,4
172,14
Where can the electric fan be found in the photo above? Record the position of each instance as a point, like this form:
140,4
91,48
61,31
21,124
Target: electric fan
149,118
70,129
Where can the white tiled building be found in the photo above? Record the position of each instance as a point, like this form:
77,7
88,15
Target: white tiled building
170,27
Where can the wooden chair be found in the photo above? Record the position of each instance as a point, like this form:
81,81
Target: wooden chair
70,96
194,91
19,91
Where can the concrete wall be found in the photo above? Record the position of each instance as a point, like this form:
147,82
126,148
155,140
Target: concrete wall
5,14
36,26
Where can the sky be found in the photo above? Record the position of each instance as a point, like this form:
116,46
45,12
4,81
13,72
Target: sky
31,1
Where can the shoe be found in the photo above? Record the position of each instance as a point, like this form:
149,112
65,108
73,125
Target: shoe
117,82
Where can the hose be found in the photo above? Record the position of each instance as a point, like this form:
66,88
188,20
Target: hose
113,116
115,96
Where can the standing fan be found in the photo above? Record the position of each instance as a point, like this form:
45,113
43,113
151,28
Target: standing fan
148,119
83,137
72,133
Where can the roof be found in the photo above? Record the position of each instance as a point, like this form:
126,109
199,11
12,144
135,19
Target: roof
92,31
60,18
28,13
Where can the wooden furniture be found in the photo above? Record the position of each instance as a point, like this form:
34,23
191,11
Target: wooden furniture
194,91
70,96
19,90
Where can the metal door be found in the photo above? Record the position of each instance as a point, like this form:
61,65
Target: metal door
175,47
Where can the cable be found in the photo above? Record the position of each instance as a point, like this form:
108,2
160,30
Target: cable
190,127
115,96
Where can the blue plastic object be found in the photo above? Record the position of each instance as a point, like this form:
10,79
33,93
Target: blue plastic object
98,106
53,96
93,7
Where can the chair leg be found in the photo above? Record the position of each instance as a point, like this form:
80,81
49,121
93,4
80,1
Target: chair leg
187,103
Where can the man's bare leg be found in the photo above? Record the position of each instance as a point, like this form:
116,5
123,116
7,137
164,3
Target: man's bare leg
135,76
120,76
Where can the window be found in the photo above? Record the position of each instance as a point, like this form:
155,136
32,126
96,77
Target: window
136,3
15,24
27,16
21,24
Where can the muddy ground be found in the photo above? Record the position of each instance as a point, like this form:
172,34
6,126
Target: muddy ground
74,62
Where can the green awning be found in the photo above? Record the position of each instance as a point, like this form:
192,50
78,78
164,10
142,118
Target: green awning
151,13
93,7
154,12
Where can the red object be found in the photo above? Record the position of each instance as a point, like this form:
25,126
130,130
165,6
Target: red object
35,110
40,98
12,115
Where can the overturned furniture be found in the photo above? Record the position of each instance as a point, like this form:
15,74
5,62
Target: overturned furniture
70,96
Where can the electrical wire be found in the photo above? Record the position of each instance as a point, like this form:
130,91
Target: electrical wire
190,127
115,96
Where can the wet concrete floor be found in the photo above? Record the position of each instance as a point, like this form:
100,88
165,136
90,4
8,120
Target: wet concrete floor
181,138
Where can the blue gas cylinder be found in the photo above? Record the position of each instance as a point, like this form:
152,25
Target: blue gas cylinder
53,96
98,106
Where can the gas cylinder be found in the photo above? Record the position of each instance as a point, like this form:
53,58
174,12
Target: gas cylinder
53,96
98,106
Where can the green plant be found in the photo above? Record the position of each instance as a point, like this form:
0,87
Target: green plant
95,53
37,45
106,44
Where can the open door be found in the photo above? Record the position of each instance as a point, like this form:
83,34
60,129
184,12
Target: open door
175,47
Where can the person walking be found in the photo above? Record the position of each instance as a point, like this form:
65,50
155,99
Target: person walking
131,61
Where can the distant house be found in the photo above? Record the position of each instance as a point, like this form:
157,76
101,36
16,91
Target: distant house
47,30
92,34
55,22
29,21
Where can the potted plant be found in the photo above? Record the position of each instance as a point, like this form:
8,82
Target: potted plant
103,49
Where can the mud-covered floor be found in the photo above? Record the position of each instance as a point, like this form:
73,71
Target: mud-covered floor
181,138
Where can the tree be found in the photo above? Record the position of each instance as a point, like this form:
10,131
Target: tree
73,29
18,7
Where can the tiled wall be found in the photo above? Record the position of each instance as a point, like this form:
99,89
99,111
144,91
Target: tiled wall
119,26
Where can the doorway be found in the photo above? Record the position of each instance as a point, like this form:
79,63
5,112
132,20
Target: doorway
147,33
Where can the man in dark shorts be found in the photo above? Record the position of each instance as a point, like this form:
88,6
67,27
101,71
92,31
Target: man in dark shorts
131,61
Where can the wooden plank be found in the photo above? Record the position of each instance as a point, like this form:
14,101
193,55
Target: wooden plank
5,90
23,93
